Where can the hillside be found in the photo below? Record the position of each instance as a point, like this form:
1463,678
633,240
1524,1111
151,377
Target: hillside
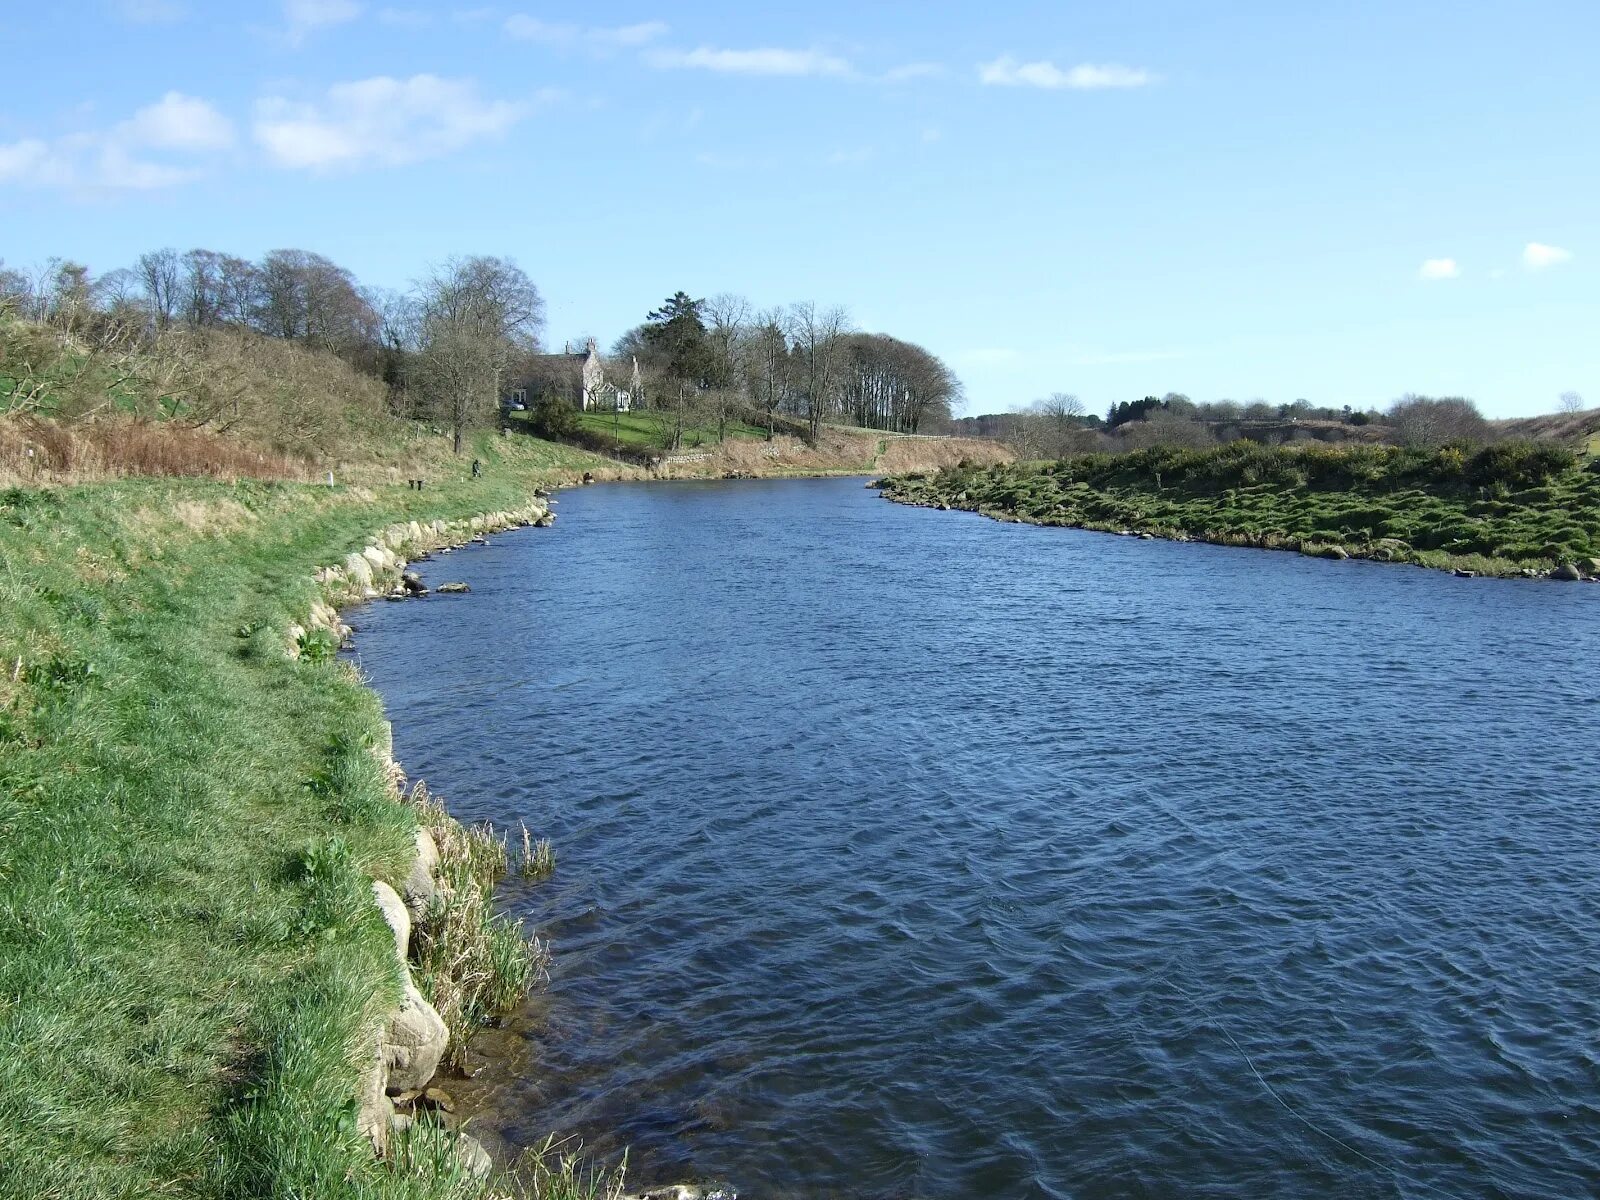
231,404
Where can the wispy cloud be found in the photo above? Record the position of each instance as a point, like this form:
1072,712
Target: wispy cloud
1536,256
382,122
567,35
1006,71
1439,268
909,72
307,16
161,145
767,61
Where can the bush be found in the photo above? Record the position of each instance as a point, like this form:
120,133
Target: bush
1520,464
553,419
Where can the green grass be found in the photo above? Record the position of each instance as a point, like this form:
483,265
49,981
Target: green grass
1503,510
188,951
642,429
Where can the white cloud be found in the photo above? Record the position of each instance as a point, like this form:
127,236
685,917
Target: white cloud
28,161
178,122
119,169
570,36
1439,268
380,122
911,71
307,16
770,61
1008,72
1536,256
119,158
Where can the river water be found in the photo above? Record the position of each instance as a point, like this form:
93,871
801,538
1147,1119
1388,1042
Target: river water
910,854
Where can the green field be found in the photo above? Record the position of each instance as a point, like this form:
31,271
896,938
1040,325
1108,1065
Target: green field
647,430
1507,509
189,955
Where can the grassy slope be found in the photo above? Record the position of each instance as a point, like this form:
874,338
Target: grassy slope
1501,512
187,819
639,429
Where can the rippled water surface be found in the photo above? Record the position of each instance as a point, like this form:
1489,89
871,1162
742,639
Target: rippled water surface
908,854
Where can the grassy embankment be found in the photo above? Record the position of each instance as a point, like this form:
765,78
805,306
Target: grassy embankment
191,964
189,954
1508,509
746,450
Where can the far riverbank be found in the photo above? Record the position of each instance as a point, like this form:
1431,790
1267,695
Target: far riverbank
1512,510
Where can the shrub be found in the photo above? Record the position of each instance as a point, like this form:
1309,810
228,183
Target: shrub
1520,464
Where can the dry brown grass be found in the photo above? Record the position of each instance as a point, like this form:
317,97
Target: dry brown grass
35,451
842,451
930,454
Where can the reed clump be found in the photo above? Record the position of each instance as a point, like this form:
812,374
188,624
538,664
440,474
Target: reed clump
472,963
538,859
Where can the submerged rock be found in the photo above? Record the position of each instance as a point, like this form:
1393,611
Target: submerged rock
474,1158
453,589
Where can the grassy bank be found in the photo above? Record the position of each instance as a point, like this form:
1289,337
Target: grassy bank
189,955
1509,509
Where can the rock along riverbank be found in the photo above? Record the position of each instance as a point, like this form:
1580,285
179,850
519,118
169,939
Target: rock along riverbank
398,1099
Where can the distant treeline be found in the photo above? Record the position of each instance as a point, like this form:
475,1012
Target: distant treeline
452,345
1059,425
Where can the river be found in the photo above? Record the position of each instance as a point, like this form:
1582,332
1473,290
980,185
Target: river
910,854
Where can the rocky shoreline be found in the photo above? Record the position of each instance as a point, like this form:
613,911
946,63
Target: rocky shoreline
398,1097
410,1040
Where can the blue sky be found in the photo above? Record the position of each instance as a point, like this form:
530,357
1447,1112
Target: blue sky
1233,200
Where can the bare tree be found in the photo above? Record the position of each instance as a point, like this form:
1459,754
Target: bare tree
818,342
1425,422
1062,414
727,319
767,362
160,274
1571,402
476,314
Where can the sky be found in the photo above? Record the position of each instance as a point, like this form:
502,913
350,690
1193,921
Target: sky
1341,202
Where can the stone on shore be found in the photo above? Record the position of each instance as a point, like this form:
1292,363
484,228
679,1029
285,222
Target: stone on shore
420,887
395,916
374,1113
359,570
414,1042
1566,573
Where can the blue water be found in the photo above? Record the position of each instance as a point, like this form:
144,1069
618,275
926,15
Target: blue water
909,854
